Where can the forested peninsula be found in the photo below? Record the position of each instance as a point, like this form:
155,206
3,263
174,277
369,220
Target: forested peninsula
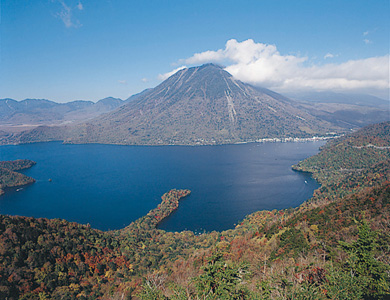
334,246
9,178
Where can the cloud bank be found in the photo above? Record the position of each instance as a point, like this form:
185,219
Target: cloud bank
263,65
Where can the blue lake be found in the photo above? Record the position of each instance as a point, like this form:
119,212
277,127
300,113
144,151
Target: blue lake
110,186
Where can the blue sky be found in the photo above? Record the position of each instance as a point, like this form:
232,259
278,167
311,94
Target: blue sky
65,50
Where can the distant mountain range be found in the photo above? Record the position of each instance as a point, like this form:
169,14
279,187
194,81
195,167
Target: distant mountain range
347,115
46,112
344,110
340,98
195,106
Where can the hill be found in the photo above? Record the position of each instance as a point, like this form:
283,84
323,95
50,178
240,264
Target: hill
335,246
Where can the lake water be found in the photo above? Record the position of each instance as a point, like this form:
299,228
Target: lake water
110,186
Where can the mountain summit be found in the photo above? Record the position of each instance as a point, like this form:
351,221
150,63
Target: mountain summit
199,105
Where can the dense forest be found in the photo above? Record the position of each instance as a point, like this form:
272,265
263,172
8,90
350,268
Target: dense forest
9,178
334,246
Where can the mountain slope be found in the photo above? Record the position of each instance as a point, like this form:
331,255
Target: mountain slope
200,105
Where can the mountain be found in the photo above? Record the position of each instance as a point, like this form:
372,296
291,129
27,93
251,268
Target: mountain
344,110
346,115
200,105
45,112
111,102
25,110
341,98
195,106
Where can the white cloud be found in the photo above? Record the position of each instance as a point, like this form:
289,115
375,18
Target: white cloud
367,41
366,33
263,65
207,56
169,74
122,81
66,14
328,55
144,80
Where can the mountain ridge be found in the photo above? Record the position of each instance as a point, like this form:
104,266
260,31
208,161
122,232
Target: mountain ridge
341,98
47,112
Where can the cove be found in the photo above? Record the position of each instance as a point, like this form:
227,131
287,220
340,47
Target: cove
109,186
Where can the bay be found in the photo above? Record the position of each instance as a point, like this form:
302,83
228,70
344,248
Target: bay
109,186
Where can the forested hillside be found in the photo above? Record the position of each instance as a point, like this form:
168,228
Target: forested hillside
334,246
10,178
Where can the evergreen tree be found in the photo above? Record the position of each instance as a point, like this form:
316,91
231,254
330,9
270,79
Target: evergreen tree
221,280
372,273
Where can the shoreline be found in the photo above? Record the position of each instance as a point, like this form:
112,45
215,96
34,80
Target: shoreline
261,140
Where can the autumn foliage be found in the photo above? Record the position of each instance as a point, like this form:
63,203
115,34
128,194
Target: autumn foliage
334,246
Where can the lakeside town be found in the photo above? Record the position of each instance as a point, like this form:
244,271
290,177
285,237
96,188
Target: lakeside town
296,139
